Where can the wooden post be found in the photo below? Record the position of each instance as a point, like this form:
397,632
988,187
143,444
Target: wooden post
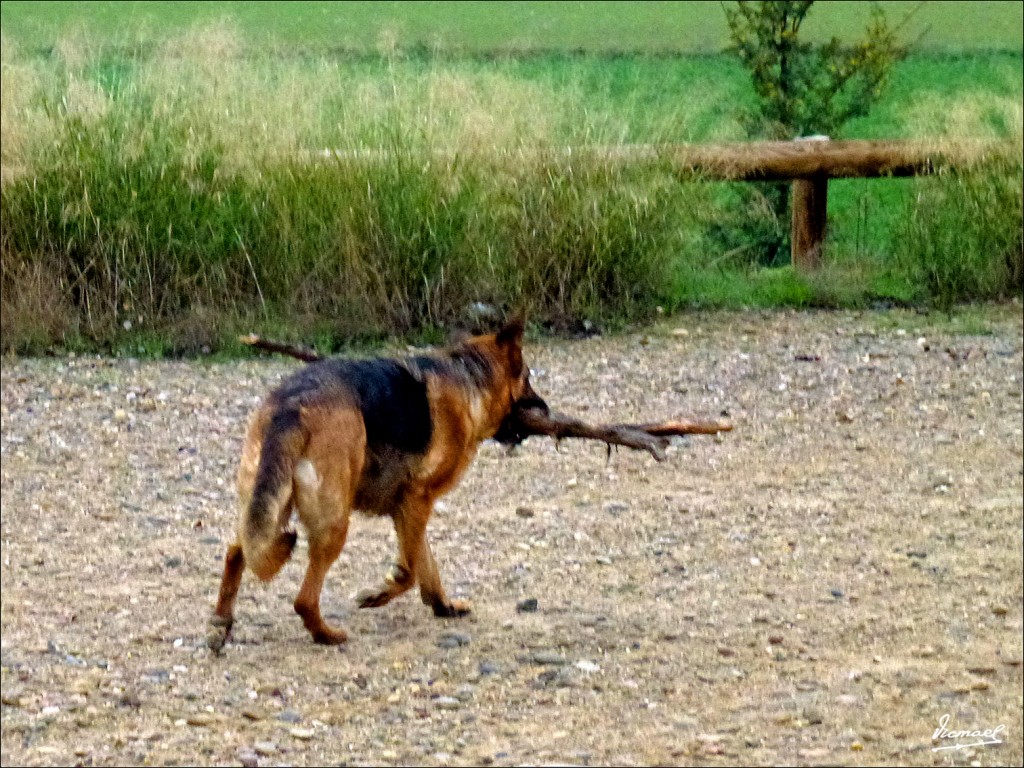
810,203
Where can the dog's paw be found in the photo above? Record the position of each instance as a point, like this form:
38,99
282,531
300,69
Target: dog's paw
372,598
453,609
327,636
217,634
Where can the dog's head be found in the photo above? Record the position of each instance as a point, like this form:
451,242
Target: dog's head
496,360
521,395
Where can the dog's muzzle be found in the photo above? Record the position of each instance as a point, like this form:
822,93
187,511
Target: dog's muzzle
512,430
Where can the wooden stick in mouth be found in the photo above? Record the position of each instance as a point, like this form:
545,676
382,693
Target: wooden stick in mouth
650,437
525,422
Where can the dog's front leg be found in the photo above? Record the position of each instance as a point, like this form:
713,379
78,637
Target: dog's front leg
432,591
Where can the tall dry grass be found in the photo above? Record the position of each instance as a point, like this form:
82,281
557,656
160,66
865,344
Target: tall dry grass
960,236
203,182
198,188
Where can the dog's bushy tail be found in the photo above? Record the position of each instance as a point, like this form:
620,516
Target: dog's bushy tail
265,539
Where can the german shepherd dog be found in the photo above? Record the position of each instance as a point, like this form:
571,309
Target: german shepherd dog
383,436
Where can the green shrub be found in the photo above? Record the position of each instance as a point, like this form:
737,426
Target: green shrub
960,236
178,202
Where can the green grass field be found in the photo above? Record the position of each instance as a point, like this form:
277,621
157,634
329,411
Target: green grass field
154,183
682,27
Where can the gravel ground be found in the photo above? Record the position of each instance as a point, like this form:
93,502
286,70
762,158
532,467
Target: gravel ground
821,585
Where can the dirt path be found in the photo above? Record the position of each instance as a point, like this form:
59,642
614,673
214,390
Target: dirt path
821,585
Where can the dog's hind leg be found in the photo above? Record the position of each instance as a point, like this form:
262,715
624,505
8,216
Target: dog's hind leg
223,614
323,551
324,508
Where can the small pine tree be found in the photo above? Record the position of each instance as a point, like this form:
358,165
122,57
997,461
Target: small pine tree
803,88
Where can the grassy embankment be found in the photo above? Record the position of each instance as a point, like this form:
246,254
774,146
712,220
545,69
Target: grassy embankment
168,199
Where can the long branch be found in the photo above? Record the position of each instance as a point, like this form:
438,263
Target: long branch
292,350
652,437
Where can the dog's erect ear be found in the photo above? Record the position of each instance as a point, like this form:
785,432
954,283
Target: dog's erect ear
512,333
510,339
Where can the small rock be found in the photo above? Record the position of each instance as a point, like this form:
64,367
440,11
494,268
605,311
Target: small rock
156,675
453,639
687,722
710,738
447,702
981,669
305,734
548,658
554,678
265,748
130,699
615,507
289,716
587,666
726,651
836,593
172,562
524,512
248,758
1000,610
604,560
527,605
200,719
1010,656
775,639
489,668
74,661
